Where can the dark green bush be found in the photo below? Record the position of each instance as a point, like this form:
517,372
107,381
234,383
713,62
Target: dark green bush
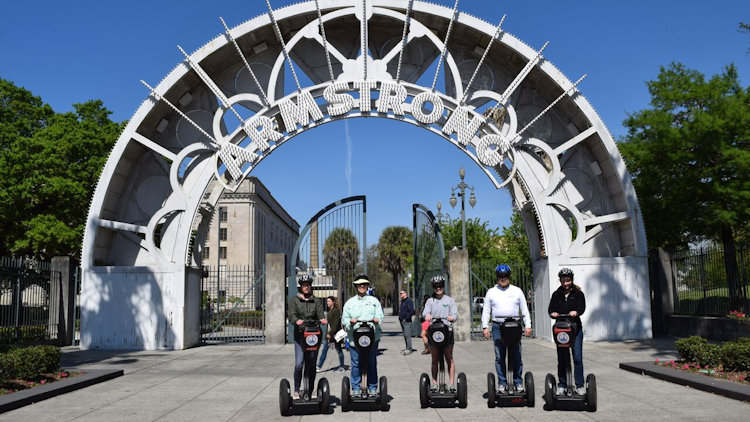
697,349
29,362
735,354
28,334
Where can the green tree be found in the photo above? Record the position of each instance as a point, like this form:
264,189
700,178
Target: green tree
482,242
49,167
689,155
341,254
394,255
514,247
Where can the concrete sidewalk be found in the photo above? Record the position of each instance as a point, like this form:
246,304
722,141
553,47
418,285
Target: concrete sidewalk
241,383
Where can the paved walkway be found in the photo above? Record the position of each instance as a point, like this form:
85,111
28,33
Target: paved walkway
241,383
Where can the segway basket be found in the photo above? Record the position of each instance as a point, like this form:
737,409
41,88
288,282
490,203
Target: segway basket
564,332
312,336
510,330
439,335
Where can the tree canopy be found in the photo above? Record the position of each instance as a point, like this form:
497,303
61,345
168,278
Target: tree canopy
395,252
689,155
49,166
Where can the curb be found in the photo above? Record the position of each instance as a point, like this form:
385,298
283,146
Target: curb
697,381
26,397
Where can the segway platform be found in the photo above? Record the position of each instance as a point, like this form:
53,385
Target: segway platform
510,332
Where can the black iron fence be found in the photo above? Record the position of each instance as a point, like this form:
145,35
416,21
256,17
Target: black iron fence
483,278
233,305
25,286
701,285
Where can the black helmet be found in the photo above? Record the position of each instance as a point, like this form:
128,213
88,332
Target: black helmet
305,278
565,272
438,281
502,270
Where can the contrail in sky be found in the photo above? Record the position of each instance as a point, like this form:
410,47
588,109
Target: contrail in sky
348,168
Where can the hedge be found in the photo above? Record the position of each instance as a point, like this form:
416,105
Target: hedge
29,362
733,355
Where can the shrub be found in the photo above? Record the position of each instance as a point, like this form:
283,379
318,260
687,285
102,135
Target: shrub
699,350
735,354
29,362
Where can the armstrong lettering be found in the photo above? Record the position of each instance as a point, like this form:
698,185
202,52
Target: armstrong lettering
299,111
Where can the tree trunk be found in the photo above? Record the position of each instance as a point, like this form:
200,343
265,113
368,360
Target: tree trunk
736,301
395,296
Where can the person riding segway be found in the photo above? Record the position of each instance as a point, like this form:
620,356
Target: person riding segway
306,313
361,318
502,305
566,306
441,312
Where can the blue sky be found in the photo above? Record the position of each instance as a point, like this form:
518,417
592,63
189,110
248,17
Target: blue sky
69,52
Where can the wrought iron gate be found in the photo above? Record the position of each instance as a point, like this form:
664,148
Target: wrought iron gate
232,305
482,279
429,254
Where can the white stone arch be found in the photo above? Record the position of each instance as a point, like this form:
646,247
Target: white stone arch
564,172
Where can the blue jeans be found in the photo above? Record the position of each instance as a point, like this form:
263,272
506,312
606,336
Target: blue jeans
500,356
563,360
372,369
299,360
324,353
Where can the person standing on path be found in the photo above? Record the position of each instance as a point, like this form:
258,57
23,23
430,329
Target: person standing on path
334,325
505,300
405,315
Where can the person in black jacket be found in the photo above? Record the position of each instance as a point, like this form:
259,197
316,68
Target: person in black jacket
569,299
405,314
304,307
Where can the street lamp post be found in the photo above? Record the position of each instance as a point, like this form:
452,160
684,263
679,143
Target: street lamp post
461,188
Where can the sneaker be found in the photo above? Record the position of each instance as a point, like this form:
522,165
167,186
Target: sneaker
356,394
408,352
520,389
452,388
340,369
318,369
503,389
581,391
560,391
373,391
434,388
295,395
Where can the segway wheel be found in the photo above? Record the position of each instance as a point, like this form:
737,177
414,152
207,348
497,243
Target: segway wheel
285,398
383,394
549,392
491,391
324,394
591,393
424,385
462,391
346,398
528,381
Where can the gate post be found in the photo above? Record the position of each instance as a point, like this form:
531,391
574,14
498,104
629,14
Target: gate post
460,291
275,298
62,298
662,284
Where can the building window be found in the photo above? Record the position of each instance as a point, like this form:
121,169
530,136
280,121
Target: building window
223,252
223,214
206,253
222,234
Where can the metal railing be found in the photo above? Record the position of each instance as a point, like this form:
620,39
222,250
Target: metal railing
25,286
482,279
700,282
232,305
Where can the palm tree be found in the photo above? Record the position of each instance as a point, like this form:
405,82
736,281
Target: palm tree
394,253
341,254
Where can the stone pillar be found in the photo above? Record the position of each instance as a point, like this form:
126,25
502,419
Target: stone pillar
275,298
663,288
62,298
460,291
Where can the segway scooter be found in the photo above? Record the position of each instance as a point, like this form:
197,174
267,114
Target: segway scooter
364,341
564,331
440,336
306,403
510,331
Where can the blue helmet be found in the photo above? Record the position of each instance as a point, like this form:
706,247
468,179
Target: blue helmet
502,270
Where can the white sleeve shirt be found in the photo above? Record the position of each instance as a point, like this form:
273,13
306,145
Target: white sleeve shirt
500,302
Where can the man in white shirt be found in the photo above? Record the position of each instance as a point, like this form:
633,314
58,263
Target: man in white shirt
505,300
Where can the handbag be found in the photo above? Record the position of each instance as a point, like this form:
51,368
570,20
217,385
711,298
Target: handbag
340,335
